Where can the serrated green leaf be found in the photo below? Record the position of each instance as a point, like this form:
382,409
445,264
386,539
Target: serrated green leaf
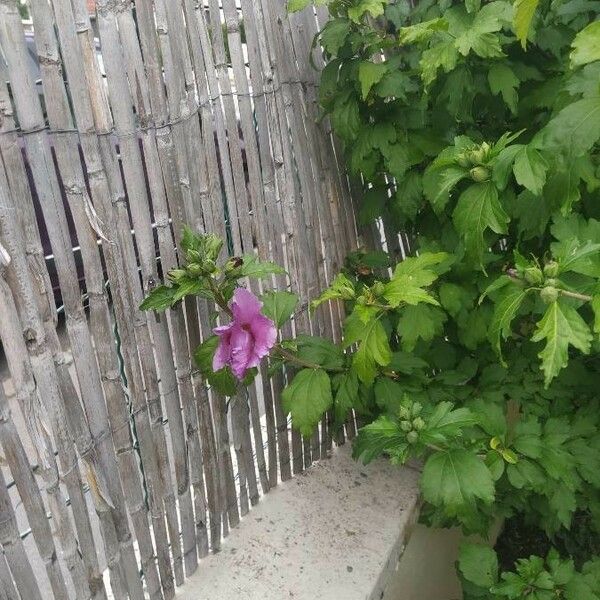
346,396
596,308
455,480
297,5
383,435
437,184
503,81
340,289
478,564
477,210
455,298
388,395
334,35
373,7
523,15
530,169
441,56
561,327
320,351
279,306
419,322
586,45
477,32
574,130
410,277
307,398
421,32
504,313
345,118
373,346
160,298
255,268
370,73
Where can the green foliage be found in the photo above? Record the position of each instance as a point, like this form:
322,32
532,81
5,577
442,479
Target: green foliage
478,137
535,578
279,306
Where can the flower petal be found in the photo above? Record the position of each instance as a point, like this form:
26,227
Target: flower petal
242,347
245,306
265,335
222,355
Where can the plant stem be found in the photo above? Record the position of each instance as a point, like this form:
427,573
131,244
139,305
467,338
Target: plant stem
292,358
576,295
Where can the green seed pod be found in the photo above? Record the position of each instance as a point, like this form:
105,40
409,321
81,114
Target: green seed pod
412,437
418,424
463,160
549,294
213,246
551,269
176,274
378,288
417,407
209,266
479,174
534,275
406,426
195,269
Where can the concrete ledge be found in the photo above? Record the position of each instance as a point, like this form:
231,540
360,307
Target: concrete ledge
334,533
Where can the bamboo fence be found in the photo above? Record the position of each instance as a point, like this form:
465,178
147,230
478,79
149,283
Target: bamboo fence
122,469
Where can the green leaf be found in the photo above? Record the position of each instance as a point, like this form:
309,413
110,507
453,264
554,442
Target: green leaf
345,118
574,130
523,15
503,81
530,169
320,351
340,289
419,322
478,209
374,7
279,306
437,184
410,277
421,32
370,73
586,45
455,298
253,267
441,56
388,395
346,396
307,398
477,32
456,479
504,313
478,564
561,327
383,435
334,35
373,349
576,257
160,298
296,5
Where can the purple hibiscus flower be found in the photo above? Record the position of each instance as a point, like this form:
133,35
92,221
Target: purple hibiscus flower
247,339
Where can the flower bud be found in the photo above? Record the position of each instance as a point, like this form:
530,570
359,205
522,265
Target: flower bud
534,275
176,274
195,270
417,407
378,288
213,246
463,160
412,437
549,294
404,413
418,424
552,282
406,426
479,174
551,269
